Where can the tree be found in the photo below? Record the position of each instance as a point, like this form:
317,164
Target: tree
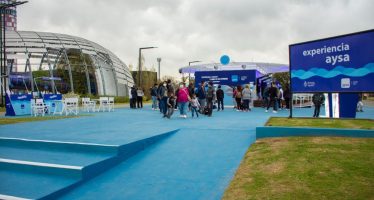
131,67
283,78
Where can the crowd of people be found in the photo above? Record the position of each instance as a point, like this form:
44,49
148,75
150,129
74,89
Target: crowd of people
200,100
276,97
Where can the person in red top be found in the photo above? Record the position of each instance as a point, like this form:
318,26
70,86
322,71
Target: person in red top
183,97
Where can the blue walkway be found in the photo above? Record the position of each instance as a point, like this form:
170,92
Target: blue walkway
196,162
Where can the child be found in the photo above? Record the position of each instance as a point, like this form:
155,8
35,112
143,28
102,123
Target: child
194,105
171,105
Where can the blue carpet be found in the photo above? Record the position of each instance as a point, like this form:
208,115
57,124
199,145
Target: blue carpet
196,162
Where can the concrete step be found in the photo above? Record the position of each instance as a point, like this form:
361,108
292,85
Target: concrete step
57,167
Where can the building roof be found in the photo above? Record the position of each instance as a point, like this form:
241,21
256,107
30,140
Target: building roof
264,68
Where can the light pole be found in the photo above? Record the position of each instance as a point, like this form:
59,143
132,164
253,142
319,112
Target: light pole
159,72
140,65
189,72
3,61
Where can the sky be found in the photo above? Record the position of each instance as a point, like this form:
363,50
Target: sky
188,30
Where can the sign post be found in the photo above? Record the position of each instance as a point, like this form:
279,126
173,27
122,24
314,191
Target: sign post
341,64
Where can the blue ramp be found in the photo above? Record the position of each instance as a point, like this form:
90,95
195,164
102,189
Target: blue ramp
191,164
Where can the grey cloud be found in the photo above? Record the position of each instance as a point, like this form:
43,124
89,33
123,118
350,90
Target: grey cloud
186,30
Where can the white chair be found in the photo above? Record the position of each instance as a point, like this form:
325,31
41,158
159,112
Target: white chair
71,106
38,107
110,104
59,107
88,105
103,104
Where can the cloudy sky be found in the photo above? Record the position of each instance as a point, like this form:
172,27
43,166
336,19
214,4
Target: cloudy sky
187,30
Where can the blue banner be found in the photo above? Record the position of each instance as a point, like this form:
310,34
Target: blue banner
230,78
18,104
340,64
53,101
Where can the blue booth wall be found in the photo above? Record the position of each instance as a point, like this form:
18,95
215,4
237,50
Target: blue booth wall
20,104
227,79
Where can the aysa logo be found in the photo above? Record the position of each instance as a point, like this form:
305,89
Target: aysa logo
345,83
22,97
53,97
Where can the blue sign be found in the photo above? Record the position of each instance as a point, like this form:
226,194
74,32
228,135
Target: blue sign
339,64
225,60
53,101
18,104
230,78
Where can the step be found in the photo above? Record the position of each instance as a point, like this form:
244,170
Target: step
58,167
79,154
32,180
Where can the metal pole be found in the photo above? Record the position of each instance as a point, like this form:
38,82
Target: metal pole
290,88
159,71
1,60
139,69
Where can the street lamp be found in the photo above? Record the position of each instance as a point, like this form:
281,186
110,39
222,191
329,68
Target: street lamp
159,72
3,74
189,70
140,65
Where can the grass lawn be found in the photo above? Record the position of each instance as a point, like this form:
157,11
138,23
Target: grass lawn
13,120
306,168
321,123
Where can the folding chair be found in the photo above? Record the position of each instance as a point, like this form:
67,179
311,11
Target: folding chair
71,106
88,105
110,104
103,104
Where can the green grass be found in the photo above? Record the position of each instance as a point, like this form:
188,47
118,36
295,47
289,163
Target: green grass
306,168
321,123
13,120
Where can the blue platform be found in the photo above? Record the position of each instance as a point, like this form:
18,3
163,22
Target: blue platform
128,154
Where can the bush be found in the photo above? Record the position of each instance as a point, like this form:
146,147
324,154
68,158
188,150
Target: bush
122,99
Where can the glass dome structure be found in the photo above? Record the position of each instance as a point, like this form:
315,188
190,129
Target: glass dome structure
52,62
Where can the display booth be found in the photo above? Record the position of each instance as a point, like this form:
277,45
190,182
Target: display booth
228,79
20,104
341,66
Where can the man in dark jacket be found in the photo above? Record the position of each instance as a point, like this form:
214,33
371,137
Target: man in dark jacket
273,95
134,96
220,96
154,96
163,96
201,95
210,97
318,99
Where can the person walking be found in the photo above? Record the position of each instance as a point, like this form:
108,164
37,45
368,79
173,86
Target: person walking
318,99
163,96
183,99
134,96
280,98
194,105
154,96
210,97
170,104
201,95
139,98
220,96
246,96
191,91
273,95
287,97
238,98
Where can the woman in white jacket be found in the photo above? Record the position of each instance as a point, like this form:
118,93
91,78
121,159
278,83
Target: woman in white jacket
246,97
